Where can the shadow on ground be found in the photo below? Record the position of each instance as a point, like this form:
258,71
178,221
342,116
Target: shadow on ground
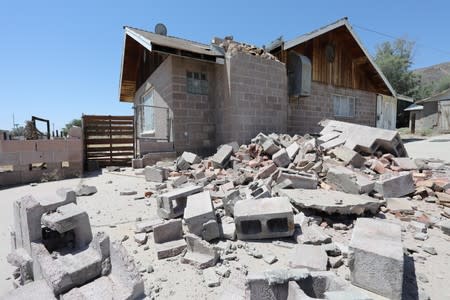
410,289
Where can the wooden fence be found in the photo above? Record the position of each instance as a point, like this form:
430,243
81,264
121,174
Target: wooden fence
109,140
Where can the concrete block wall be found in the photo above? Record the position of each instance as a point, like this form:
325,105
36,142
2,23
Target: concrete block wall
251,98
194,115
161,82
305,113
193,126
64,159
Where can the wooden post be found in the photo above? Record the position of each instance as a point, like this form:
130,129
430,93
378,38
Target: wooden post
413,122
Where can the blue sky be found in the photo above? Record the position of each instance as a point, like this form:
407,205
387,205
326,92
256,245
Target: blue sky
60,59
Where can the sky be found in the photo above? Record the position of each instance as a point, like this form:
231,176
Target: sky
62,59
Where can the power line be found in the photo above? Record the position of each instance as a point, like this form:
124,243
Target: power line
394,38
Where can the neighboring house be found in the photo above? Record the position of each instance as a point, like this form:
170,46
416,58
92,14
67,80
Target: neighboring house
192,96
431,113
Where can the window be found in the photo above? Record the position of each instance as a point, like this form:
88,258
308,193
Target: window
197,83
344,106
147,113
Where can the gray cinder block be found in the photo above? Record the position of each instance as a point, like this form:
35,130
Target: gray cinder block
264,218
376,257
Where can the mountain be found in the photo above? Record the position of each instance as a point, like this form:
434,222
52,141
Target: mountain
434,74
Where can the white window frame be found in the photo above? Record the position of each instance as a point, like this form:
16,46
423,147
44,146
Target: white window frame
344,106
148,98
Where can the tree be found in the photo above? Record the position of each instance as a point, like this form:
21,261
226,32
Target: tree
442,84
395,59
74,122
18,131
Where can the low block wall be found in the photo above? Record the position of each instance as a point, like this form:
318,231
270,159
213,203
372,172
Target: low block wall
39,160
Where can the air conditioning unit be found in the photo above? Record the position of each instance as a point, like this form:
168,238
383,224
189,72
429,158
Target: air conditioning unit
299,75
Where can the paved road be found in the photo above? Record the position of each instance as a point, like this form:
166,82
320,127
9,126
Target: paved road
433,147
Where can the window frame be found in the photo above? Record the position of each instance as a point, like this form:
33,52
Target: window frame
144,108
338,113
197,83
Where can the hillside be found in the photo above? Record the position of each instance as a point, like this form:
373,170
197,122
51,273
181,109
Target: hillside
434,74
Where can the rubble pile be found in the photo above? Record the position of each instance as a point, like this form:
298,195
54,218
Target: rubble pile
332,216
233,47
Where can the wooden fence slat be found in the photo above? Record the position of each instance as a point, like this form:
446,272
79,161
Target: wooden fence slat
109,140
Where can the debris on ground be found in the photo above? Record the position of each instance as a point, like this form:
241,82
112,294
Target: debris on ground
345,212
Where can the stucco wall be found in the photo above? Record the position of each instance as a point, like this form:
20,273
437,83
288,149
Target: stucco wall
305,113
253,94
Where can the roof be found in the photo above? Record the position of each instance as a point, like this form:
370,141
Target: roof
148,39
444,95
405,98
342,22
414,107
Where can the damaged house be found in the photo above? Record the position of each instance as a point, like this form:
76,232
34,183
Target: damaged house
189,96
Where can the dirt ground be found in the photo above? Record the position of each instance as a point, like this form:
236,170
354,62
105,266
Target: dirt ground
117,216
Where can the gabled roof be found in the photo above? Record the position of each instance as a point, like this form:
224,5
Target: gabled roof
148,39
444,95
137,40
342,22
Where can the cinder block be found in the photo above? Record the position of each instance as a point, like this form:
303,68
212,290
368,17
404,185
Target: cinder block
349,181
155,174
281,158
270,147
298,180
222,156
391,185
376,257
137,163
198,211
199,253
173,203
191,158
348,156
168,239
292,150
264,218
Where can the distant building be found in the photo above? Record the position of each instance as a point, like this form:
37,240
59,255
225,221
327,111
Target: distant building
432,113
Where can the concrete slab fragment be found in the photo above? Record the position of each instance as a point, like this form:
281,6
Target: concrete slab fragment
349,181
310,257
399,205
332,201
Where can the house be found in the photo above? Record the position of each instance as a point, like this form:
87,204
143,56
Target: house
189,96
432,113
346,84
